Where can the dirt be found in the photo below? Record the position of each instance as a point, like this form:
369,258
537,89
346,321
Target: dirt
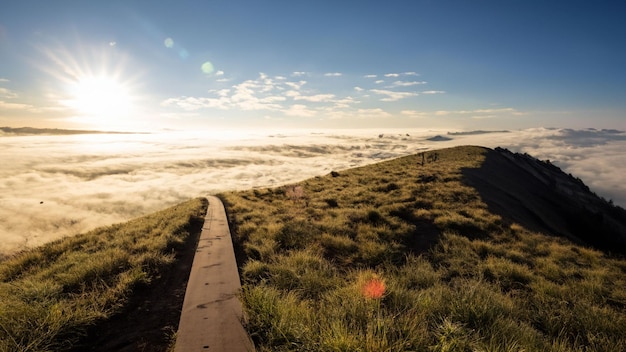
150,322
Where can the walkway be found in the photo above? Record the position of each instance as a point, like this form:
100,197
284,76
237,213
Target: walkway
211,319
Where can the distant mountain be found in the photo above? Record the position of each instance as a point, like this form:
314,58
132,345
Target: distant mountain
540,196
52,131
439,138
467,133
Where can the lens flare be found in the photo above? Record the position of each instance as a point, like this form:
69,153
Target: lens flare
169,43
207,68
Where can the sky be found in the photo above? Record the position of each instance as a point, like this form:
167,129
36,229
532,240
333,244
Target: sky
176,65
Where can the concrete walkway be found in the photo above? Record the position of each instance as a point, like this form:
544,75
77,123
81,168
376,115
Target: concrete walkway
211,319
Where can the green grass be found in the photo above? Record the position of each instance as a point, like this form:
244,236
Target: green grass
457,276
51,295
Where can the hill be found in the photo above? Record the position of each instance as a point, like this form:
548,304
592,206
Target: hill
26,131
116,288
458,249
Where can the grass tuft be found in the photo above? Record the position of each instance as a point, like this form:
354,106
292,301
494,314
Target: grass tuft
452,275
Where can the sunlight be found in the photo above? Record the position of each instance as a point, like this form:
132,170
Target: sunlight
99,96
95,86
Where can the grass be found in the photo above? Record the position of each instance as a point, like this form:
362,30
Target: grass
457,277
396,256
51,295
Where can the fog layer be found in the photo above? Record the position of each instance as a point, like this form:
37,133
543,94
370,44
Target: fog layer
55,186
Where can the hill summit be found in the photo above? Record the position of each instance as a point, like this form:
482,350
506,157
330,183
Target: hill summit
461,249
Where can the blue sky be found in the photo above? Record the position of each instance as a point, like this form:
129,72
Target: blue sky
504,64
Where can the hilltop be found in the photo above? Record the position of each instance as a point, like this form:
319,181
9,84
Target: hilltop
465,248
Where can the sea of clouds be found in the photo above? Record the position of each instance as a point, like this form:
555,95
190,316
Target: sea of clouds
53,186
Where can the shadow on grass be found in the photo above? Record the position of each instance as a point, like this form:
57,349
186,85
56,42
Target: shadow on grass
151,320
542,198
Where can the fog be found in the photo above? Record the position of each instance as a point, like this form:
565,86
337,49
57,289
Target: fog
61,185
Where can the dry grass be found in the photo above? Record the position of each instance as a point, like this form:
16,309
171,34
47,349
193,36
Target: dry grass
457,277
51,295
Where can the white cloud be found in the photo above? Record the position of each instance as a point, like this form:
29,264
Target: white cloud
16,106
219,73
221,92
501,111
223,80
434,92
292,93
411,73
392,75
299,110
316,98
407,84
372,113
296,85
333,74
392,95
414,113
4,80
298,74
370,76
379,81
359,89
7,93
103,179
345,103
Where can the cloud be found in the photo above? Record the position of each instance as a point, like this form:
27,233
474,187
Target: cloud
392,95
278,93
434,92
295,85
7,93
300,110
407,84
4,80
500,111
16,106
316,98
219,73
414,113
103,179
411,73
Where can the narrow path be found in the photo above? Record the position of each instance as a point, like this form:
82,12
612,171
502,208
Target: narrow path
211,319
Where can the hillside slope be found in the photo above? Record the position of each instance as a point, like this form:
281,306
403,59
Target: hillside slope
541,197
458,249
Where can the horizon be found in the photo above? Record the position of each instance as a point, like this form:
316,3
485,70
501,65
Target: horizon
418,64
59,185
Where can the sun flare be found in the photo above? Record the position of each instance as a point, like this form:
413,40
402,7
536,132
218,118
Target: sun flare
100,96
94,85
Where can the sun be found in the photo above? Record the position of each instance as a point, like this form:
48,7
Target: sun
92,86
100,96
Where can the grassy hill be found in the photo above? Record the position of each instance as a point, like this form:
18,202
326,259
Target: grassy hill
462,249
81,293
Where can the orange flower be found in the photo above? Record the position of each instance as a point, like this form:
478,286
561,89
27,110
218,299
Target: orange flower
374,288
